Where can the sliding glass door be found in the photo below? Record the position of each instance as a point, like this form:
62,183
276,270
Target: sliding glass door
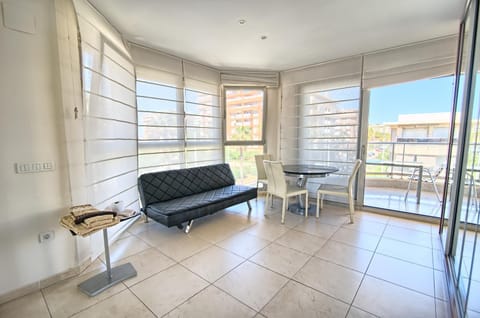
463,220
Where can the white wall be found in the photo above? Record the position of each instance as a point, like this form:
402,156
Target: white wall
31,126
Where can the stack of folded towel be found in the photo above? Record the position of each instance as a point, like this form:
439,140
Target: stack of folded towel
85,219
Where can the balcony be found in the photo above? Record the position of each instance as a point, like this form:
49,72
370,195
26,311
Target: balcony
389,168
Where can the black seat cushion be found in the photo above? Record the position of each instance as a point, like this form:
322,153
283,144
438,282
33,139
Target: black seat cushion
183,209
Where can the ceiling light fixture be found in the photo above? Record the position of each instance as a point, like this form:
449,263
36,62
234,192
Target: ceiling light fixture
242,21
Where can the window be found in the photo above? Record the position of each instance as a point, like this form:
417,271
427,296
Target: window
244,115
244,131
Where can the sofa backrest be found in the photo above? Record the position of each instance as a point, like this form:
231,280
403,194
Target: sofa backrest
167,185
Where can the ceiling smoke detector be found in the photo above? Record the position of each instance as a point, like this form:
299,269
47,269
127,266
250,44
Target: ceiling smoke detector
263,37
242,21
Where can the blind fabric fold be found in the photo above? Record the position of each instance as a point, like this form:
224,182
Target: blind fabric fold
246,78
428,59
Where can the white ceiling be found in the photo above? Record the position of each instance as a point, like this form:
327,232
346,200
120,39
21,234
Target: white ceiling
300,32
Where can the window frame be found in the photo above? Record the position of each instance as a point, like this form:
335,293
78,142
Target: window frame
260,142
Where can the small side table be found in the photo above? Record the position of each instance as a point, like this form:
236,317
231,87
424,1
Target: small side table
112,276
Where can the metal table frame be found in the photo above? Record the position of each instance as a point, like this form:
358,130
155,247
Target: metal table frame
112,276
303,172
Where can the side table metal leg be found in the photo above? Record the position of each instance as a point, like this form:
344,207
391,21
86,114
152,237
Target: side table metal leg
112,276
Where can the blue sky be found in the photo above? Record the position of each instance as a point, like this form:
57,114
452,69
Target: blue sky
424,96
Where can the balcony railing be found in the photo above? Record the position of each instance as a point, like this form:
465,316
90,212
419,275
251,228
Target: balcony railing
404,155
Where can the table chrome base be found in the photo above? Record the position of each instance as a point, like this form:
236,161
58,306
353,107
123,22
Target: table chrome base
100,282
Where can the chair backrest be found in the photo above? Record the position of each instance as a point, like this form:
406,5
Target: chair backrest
277,185
355,169
260,167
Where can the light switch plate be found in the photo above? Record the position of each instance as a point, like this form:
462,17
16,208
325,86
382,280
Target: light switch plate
32,167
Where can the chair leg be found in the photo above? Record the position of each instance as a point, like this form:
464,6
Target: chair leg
410,183
321,201
283,210
306,204
351,206
318,205
436,191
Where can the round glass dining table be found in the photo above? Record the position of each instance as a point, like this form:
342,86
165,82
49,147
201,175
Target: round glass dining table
303,172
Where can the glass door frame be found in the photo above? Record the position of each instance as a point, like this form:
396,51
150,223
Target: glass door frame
459,301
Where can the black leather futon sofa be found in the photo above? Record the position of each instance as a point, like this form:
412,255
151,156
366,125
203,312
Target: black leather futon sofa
177,196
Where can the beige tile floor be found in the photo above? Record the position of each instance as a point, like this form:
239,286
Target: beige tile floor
232,265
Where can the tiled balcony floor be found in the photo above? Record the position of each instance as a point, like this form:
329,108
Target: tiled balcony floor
232,265
394,199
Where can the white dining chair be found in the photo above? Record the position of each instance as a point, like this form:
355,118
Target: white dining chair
261,174
279,187
339,190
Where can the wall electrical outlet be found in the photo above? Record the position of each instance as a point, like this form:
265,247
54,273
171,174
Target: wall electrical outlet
46,236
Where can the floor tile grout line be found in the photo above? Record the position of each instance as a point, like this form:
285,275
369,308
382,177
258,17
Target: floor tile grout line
45,302
213,284
100,301
365,273
141,301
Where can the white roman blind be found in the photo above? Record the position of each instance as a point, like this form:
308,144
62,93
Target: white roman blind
161,136
203,116
320,117
250,78
109,112
179,113
417,61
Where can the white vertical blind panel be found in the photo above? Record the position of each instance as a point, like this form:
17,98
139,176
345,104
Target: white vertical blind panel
161,131
111,109
98,84
412,62
99,150
120,59
203,129
203,116
109,68
320,117
96,128
112,187
103,170
110,119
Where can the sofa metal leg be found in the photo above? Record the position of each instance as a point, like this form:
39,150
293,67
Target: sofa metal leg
249,205
146,218
188,227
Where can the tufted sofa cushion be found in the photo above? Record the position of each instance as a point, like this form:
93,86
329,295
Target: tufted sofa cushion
167,185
